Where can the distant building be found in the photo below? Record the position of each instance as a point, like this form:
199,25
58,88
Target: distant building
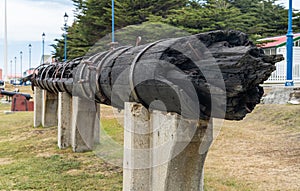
48,59
13,76
28,72
277,45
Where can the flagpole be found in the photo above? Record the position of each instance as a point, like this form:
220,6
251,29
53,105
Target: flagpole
5,42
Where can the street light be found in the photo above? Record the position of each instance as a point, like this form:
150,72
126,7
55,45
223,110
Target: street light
11,66
21,53
29,46
289,48
15,70
66,30
112,21
43,47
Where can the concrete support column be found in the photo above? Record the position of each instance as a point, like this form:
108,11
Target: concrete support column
97,125
85,124
137,161
162,151
185,170
64,120
38,107
50,109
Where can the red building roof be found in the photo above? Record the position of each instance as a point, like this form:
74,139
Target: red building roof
11,76
276,41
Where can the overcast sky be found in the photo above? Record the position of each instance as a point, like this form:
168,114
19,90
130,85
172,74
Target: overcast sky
296,3
28,19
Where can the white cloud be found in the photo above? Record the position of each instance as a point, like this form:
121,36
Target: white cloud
27,20
296,3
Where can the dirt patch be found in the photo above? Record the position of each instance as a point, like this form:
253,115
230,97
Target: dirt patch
109,112
6,161
74,172
259,153
44,155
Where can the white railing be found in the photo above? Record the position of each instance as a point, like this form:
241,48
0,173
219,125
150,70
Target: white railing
279,76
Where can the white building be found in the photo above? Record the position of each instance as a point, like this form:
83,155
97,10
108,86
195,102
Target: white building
277,45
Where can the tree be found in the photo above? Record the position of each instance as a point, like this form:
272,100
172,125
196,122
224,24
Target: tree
258,18
93,20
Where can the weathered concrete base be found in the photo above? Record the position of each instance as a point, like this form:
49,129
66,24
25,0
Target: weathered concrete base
97,125
85,124
282,95
295,97
38,107
50,109
64,120
162,151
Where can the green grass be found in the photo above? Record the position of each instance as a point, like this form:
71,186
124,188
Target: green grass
286,116
113,129
30,159
33,161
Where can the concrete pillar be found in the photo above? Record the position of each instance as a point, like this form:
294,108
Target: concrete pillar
64,120
185,170
97,125
85,124
136,163
162,151
38,107
50,109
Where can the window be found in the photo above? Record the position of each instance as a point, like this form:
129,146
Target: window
273,51
267,51
297,43
270,51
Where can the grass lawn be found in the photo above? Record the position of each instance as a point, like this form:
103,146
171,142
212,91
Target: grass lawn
30,160
262,152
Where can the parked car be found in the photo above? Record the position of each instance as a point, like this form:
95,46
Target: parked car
2,85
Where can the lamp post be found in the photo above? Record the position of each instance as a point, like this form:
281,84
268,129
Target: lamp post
5,42
66,31
11,66
112,21
29,46
43,47
15,70
289,48
21,53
